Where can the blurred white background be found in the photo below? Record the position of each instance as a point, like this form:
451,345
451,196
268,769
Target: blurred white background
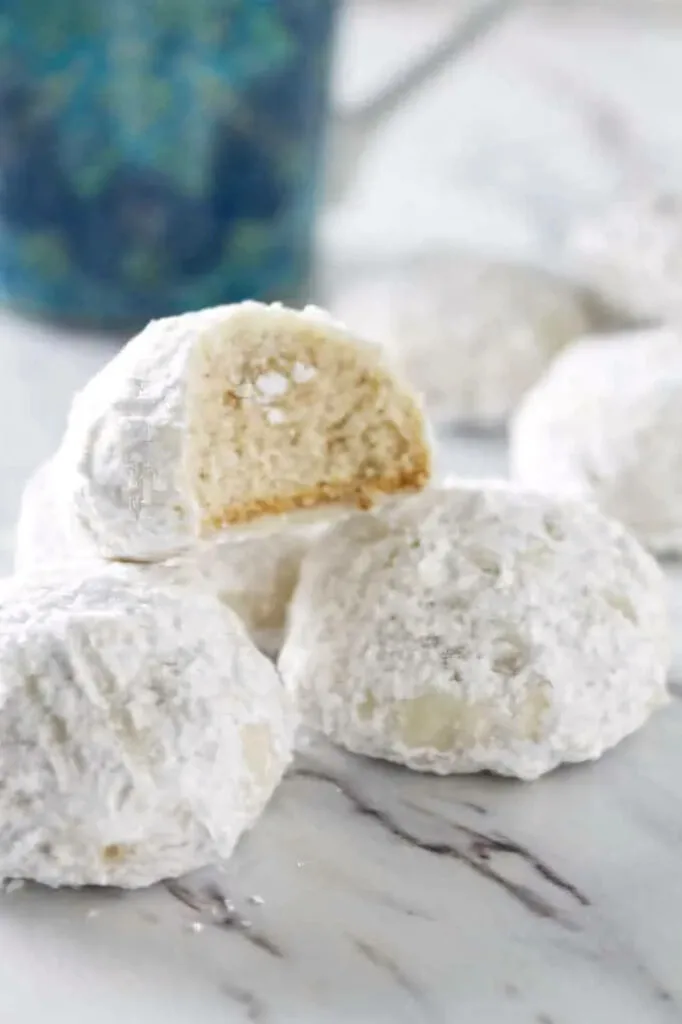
544,117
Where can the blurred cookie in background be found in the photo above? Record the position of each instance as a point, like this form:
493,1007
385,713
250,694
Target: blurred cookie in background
630,254
472,334
604,425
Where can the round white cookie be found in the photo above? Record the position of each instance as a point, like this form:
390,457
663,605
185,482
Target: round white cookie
255,575
631,254
232,416
605,424
141,732
472,335
478,628
43,535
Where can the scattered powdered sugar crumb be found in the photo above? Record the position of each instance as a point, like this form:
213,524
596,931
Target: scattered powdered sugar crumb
257,901
92,913
301,373
272,383
196,926
275,416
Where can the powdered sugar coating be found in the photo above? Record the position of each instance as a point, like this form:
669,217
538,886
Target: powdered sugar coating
254,575
605,424
631,252
472,335
122,454
42,535
476,628
141,732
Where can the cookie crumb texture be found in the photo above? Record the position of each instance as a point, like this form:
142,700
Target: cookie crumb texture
472,335
141,732
219,418
478,628
605,425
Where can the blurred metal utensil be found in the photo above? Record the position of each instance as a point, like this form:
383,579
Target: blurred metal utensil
351,132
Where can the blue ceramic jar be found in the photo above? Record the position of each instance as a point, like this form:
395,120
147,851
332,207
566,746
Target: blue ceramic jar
158,155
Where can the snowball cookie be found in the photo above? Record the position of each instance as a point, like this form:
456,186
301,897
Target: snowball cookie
224,416
42,536
141,732
631,253
472,335
605,424
254,575
478,628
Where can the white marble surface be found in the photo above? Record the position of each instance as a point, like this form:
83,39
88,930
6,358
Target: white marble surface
388,897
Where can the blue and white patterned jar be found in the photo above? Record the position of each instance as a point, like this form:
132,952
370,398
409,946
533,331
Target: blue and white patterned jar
158,156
